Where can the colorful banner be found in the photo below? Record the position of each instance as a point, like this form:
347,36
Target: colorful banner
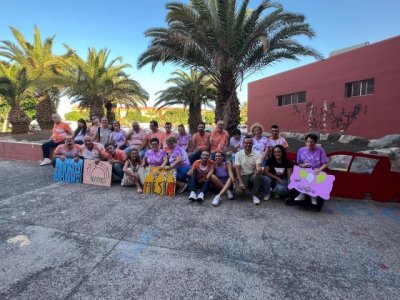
97,172
159,182
305,181
68,171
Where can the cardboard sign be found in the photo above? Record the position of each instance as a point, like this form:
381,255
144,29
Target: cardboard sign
159,182
97,173
68,171
304,180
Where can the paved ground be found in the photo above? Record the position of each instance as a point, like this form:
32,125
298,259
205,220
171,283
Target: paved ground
62,241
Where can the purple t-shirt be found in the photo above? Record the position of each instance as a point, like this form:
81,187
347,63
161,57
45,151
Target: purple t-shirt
175,153
315,158
261,144
235,143
183,140
155,159
118,137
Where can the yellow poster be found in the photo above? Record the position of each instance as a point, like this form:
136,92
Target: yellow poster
159,182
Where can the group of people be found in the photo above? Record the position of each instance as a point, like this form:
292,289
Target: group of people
254,164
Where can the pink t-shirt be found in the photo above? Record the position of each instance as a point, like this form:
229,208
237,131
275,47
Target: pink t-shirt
219,141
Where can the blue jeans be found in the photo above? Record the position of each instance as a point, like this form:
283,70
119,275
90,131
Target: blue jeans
193,183
279,189
46,148
117,172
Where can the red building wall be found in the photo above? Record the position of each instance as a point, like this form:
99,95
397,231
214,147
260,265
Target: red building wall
371,116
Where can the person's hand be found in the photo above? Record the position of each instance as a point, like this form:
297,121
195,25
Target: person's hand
241,186
316,171
76,158
280,180
96,161
258,170
62,157
167,168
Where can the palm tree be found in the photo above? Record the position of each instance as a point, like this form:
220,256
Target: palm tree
97,83
190,90
41,66
14,87
227,43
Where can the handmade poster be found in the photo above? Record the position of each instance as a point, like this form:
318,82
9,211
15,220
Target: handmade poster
99,173
304,180
68,171
159,182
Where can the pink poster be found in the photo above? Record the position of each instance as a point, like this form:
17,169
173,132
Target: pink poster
97,173
305,181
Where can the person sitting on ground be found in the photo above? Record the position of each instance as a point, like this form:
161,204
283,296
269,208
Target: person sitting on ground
80,132
275,139
60,131
278,170
200,174
261,143
236,141
168,132
103,133
179,160
248,169
155,133
94,127
67,150
136,139
219,138
155,157
200,142
116,158
184,137
311,156
223,178
133,172
90,149
117,137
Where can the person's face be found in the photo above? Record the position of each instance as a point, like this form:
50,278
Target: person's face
248,144
257,131
95,120
168,128
278,153
220,126
104,122
274,132
204,156
218,158
201,128
154,146
153,127
181,130
88,143
171,145
80,124
56,119
310,143
69,141
135,126
236,137
110,150
115,126
134,155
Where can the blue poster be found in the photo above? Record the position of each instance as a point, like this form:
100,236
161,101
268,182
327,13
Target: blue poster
68,171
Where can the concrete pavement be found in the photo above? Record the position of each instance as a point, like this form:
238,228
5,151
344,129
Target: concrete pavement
73,241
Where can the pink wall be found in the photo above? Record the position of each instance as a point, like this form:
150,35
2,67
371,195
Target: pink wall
325,80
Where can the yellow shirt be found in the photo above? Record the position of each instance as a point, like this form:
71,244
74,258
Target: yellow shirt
247,162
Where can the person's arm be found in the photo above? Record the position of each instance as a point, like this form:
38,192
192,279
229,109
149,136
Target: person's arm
175,163
191,171
268,173
289,172
165,161
211,172
238,172
320,169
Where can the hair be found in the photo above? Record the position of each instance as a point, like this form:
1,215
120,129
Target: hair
255,126
168,123
83,129
205,151
115,121
181,125
248,136
201,123
106,145
236,131
154,139
284,154
138,160
172,139
154,122
275,126
312,136
87,137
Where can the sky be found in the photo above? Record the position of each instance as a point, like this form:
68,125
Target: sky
119,25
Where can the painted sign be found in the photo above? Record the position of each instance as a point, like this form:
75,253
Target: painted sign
97,172
305,181
68,171
159,182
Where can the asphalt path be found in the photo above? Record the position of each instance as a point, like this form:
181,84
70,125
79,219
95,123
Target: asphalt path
74,241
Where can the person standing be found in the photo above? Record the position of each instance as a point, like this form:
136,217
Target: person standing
219,138
200,142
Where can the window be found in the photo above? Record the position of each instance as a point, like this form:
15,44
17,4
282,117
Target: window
289,99
359,88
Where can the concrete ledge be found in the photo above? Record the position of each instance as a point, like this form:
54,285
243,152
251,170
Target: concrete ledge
21,151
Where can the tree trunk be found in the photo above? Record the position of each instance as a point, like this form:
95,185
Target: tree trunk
19,120
227,107
96,108
44,109
194,117
110,111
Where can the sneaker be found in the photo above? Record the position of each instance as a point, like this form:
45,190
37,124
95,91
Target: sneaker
182,188
46,161
216,200
192,196
200,197
314,201
256,201
266,197
229,194
300,197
